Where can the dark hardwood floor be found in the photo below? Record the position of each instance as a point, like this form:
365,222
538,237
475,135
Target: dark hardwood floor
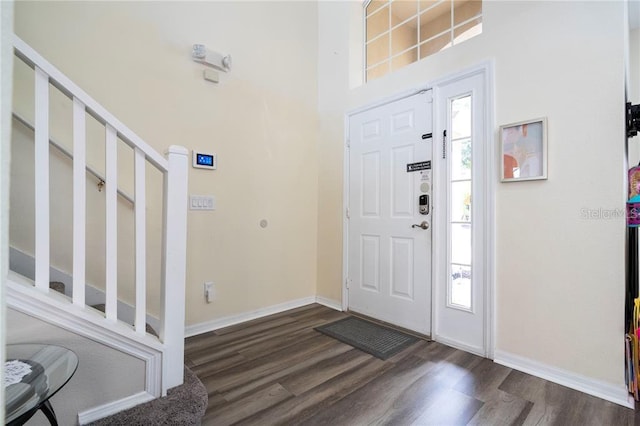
278,370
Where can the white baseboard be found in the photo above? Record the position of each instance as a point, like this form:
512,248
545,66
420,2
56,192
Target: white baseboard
102,411
205,327
597,388
329,303
460,345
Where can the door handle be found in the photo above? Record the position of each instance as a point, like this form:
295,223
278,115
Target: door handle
423,225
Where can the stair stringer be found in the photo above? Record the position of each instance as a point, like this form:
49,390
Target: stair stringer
57,309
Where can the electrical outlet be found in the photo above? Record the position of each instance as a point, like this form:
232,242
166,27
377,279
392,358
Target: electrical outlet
209,292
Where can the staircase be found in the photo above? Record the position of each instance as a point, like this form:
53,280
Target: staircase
163,354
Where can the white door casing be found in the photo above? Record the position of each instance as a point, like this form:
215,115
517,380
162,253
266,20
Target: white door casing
389,259
464,327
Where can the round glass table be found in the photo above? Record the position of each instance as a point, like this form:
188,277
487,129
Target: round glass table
33,374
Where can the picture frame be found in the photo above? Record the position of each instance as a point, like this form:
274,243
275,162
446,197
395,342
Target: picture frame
523,150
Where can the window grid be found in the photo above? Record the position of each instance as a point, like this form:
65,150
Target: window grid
419,14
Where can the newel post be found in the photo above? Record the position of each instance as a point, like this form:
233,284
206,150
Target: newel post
174,265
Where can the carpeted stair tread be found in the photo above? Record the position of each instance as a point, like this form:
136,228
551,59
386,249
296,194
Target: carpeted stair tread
183,405
57,286
149,329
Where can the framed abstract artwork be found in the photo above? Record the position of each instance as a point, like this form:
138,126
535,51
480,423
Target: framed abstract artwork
523,148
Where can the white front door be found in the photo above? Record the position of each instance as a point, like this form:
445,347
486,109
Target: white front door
390,174
461,251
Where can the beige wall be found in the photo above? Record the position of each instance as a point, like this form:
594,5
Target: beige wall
559,277
104,375
261,120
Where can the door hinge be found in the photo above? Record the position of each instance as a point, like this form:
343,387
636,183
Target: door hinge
348,213
348,143
347,283
444,144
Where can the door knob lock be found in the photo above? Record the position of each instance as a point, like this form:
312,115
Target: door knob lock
423,225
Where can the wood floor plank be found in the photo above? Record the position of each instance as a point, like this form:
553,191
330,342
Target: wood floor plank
255,326
415,401
209,368
424,398
216,402
450,408
544,414
417,348
222,346
279,371
454,367
483,380
503,409
318,311
253,370
297,410
321,371
240,388
242,408
435,352
371,402
304,330
277,342
535,389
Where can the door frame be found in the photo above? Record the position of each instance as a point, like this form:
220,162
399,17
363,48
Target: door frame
486,69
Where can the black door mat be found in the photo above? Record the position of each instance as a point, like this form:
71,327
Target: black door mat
377,340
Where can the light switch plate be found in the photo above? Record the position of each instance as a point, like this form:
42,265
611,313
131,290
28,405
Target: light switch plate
202,202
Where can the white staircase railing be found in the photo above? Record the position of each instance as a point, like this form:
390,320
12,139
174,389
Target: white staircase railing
174,169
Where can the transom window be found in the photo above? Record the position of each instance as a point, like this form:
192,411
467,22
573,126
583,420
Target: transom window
400,32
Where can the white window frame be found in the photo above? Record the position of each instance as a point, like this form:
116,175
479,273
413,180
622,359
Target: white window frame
388,60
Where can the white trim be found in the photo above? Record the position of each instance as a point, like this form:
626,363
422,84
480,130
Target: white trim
387,100
24,264
485,68
41,154
110,408
489,224
438,234
347,176
140,240
597,388
79,201
174,265
329,303
207,326
480,68
345,220
111,223
58,310
459,345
